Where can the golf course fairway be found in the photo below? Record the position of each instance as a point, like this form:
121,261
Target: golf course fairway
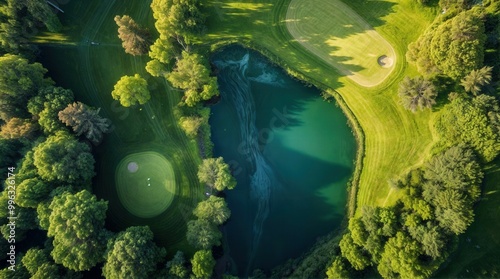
145,183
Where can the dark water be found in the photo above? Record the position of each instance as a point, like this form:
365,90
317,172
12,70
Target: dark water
292,154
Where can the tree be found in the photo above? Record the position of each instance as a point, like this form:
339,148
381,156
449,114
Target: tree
85,120
63,158
457,46
214,210
417,93
203,264
191,125
353,253
39,265
136,40
132,254
216,174
41,11
77,226
201,234
47,104
181,20
338,269
19,81
471,122
191,75
17,128
176,267
476,79
30,192
130,90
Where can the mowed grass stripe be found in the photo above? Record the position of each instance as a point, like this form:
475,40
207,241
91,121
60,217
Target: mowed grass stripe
338,35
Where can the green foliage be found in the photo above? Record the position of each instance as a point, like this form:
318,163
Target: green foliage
76,224
180,19
85,120
191,75
26,221
401,259
338,269
214,210
354,253
454,47
42,12
19,81
457,46
472,122
130,90
39,264
203,264
476,79
63,158
46,106
30,192
135,39
202,234
176,267
191,125
216,174
417,93
132,254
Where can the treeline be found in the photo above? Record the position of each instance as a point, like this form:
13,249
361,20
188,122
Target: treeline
20,20
457,56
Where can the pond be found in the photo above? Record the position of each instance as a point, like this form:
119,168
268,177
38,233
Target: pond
292,154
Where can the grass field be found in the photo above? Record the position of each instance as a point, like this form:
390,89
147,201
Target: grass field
145,183
91,72
345,40
395,139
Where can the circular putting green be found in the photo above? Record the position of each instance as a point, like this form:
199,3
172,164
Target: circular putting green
145,183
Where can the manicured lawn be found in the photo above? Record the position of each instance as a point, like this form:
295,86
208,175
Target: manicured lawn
145,183
345,40
91,72
395,139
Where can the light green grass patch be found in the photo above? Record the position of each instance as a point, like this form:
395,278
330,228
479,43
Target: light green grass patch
335,33
145,183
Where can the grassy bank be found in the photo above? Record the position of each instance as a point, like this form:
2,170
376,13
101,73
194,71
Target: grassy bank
389,130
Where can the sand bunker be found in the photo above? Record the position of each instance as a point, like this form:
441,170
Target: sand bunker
385,62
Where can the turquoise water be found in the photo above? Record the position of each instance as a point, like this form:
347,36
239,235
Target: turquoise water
292,154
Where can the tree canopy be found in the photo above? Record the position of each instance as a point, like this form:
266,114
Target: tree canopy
135,39
202,234
191,75
77,226
417,93
216,173
46,106
132,254
472,121
203,264
85,120
476,79
63,158
214,209
19,81
130,90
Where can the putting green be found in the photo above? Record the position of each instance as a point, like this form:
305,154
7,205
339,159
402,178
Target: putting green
145,183
338,35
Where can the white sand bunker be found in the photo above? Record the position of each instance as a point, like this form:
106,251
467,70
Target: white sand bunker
132,167
385,62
